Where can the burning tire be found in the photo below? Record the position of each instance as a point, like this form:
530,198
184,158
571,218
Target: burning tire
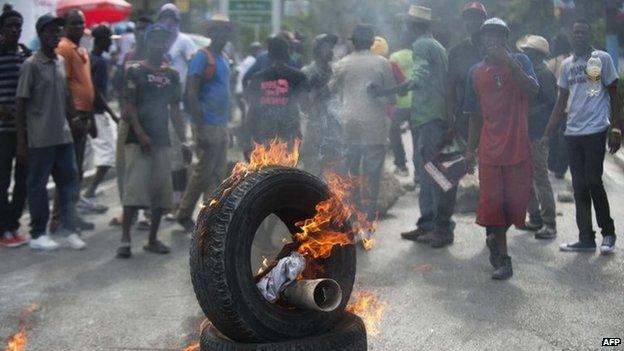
221,247
348,335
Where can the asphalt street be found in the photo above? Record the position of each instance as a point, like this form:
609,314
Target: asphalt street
436,299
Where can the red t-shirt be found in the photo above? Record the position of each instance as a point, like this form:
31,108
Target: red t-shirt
492,92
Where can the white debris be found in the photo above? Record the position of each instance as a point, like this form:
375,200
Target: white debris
285,272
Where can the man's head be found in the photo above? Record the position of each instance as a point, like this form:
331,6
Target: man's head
157,39
581,36
102,38
473,15
535,47
49,30
417,20
278,49
11,26
323,47
219,30
255,48
75,25
494,33
139,30
169,15
363,37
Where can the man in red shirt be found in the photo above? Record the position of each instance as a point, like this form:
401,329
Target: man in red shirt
496,97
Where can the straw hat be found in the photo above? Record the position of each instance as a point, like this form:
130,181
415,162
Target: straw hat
417,14
534,42
218,19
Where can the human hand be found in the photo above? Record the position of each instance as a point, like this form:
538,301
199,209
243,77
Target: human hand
615,140
146,143
22,152
470,161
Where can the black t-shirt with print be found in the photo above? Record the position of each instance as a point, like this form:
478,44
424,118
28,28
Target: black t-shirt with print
151,92
274,95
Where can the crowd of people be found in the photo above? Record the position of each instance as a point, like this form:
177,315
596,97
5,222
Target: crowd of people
482,101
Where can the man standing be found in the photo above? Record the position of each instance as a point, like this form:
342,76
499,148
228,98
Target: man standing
44,107
542,213
12,56
403,110
497,98
152,94
317,131
461,58
78,68
104,144
429,125
275,95
209,102
364,118
586,134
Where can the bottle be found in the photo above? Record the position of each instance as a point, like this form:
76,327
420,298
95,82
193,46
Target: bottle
594,72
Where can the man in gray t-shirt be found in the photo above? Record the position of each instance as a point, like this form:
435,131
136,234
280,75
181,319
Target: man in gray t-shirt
586,134
44,106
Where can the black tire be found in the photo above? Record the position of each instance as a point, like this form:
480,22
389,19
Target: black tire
348,335
221,248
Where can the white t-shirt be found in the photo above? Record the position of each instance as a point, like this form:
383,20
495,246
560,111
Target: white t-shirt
180,55
242,68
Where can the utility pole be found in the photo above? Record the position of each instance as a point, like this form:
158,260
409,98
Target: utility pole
224,7
276,16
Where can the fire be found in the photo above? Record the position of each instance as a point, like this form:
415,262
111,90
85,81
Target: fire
18,341
193,347
368,307
319,234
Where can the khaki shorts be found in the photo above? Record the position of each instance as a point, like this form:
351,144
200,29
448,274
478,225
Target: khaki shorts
147,180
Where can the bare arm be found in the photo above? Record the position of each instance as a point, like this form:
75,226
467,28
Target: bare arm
615,136
527,83
557,113
193,85
101,101
178,122
20,125
475,123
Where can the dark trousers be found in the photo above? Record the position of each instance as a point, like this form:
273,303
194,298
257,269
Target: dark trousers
396,143
558,155
11,210
586,154
368,161
59,161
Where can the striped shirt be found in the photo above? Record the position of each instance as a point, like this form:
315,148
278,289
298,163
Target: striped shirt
10,63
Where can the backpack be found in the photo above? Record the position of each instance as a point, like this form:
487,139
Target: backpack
211,66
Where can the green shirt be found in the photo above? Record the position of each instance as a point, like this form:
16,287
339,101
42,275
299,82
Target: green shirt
405,61
428,80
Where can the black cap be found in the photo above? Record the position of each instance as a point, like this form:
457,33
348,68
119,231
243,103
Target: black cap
48,19
363,32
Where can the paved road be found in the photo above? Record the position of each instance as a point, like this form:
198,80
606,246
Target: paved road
441,299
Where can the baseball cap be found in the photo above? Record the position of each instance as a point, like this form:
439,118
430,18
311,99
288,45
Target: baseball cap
495,23
47,19
475,6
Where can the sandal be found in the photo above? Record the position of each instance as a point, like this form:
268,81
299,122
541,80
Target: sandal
124,251
156,247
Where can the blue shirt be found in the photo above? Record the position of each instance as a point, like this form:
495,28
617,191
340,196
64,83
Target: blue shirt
214,94
587,114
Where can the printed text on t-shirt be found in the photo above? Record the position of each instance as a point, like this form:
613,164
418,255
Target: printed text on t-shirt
274,92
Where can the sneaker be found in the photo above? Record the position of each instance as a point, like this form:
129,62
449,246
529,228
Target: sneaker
75,242
43,242
15,239
401,171
532,227
608,245
579,246
546,232
90,206
441,239
187,224
505,271
414,234
495,257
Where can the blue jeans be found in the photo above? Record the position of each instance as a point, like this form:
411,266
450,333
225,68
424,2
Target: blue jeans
59,161
436,206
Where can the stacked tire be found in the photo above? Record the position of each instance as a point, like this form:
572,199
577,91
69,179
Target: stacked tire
222,276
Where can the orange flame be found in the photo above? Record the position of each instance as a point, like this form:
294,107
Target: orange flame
18,341
319,234
193,347
368,307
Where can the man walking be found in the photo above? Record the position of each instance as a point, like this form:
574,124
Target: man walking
497,98
429,125
318,126
209,101
45,108
12,56
542,213
152,94
591,106
104,144
364,118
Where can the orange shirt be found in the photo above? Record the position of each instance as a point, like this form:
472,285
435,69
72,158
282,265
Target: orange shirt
78,69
